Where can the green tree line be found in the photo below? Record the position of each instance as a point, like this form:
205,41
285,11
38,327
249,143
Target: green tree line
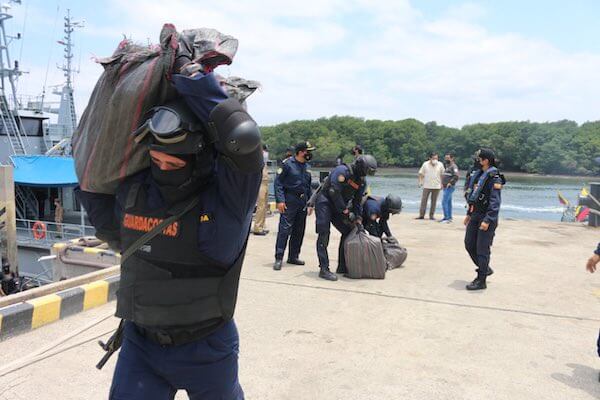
561,147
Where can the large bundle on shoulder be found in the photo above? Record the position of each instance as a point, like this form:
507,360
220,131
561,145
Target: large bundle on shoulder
364,255
136,79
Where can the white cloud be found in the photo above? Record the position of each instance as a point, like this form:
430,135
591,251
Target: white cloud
372,59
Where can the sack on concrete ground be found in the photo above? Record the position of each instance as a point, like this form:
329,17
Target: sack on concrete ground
135,79
364,255
395,255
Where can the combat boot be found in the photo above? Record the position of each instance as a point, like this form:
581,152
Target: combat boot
326,274
489,272
277,265
295,261
477,284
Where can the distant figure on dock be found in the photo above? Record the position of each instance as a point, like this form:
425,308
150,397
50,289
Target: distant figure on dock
263,198
430,178
59,214
484,200
449,179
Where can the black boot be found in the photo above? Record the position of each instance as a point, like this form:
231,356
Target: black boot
489,272
277,265
295,261
326,274
477,284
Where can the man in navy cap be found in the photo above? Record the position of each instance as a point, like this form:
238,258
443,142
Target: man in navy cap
292,191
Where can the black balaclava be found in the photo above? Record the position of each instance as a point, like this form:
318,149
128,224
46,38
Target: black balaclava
177,185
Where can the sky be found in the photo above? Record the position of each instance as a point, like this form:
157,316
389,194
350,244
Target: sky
454,62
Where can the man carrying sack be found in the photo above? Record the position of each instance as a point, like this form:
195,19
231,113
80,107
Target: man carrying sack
183,226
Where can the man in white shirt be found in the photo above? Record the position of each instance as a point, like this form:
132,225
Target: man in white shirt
430,178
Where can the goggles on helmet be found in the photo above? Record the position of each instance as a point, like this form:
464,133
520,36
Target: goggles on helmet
173,129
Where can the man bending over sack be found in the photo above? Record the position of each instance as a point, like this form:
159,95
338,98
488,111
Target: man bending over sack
376,213
178,290
339,203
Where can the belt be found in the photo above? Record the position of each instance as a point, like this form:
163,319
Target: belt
299,195
174,338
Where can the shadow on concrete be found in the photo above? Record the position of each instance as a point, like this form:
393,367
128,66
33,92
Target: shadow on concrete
459,284
582,377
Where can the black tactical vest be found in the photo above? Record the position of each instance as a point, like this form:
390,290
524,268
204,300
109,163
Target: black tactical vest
168,285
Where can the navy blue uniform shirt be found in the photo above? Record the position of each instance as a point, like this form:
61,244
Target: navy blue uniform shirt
492,190
343,182
373,206
293,176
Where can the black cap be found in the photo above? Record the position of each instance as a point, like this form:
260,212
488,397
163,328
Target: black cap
302,146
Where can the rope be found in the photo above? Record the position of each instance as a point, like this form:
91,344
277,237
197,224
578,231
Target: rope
38,355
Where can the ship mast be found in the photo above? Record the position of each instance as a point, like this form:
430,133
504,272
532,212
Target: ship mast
67,118
9,117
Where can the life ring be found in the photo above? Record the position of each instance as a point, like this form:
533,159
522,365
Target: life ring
39,230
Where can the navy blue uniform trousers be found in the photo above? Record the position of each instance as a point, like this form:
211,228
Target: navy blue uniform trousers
326,215
206,369
478,243
292,224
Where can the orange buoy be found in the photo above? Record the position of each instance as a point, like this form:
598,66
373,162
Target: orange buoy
39,230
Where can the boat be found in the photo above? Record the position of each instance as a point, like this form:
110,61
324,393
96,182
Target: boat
35,138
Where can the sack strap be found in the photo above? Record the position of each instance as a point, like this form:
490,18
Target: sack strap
157,229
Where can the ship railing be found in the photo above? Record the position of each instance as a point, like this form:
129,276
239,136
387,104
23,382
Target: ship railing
50,234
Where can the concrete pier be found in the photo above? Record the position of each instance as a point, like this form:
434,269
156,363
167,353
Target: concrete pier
418,334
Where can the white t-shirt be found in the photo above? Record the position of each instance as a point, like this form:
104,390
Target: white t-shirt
432,174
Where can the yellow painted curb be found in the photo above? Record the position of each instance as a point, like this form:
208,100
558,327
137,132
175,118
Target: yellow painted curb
46,309
95,294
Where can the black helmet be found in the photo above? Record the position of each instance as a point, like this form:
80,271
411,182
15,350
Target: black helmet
364,165
393,203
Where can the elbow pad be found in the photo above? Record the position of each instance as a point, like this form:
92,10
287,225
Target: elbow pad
236,135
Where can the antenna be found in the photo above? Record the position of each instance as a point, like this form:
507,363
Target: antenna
67,42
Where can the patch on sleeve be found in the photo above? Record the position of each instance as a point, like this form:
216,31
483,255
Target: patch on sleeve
279,171
206,217
498,186
341,178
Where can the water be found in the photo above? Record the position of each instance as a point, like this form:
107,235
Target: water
523,197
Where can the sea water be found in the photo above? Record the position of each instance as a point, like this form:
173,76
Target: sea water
523,197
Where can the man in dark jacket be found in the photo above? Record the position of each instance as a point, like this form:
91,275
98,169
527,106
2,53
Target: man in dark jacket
377,211
449,179
482,215
292,191
340,203
178,289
